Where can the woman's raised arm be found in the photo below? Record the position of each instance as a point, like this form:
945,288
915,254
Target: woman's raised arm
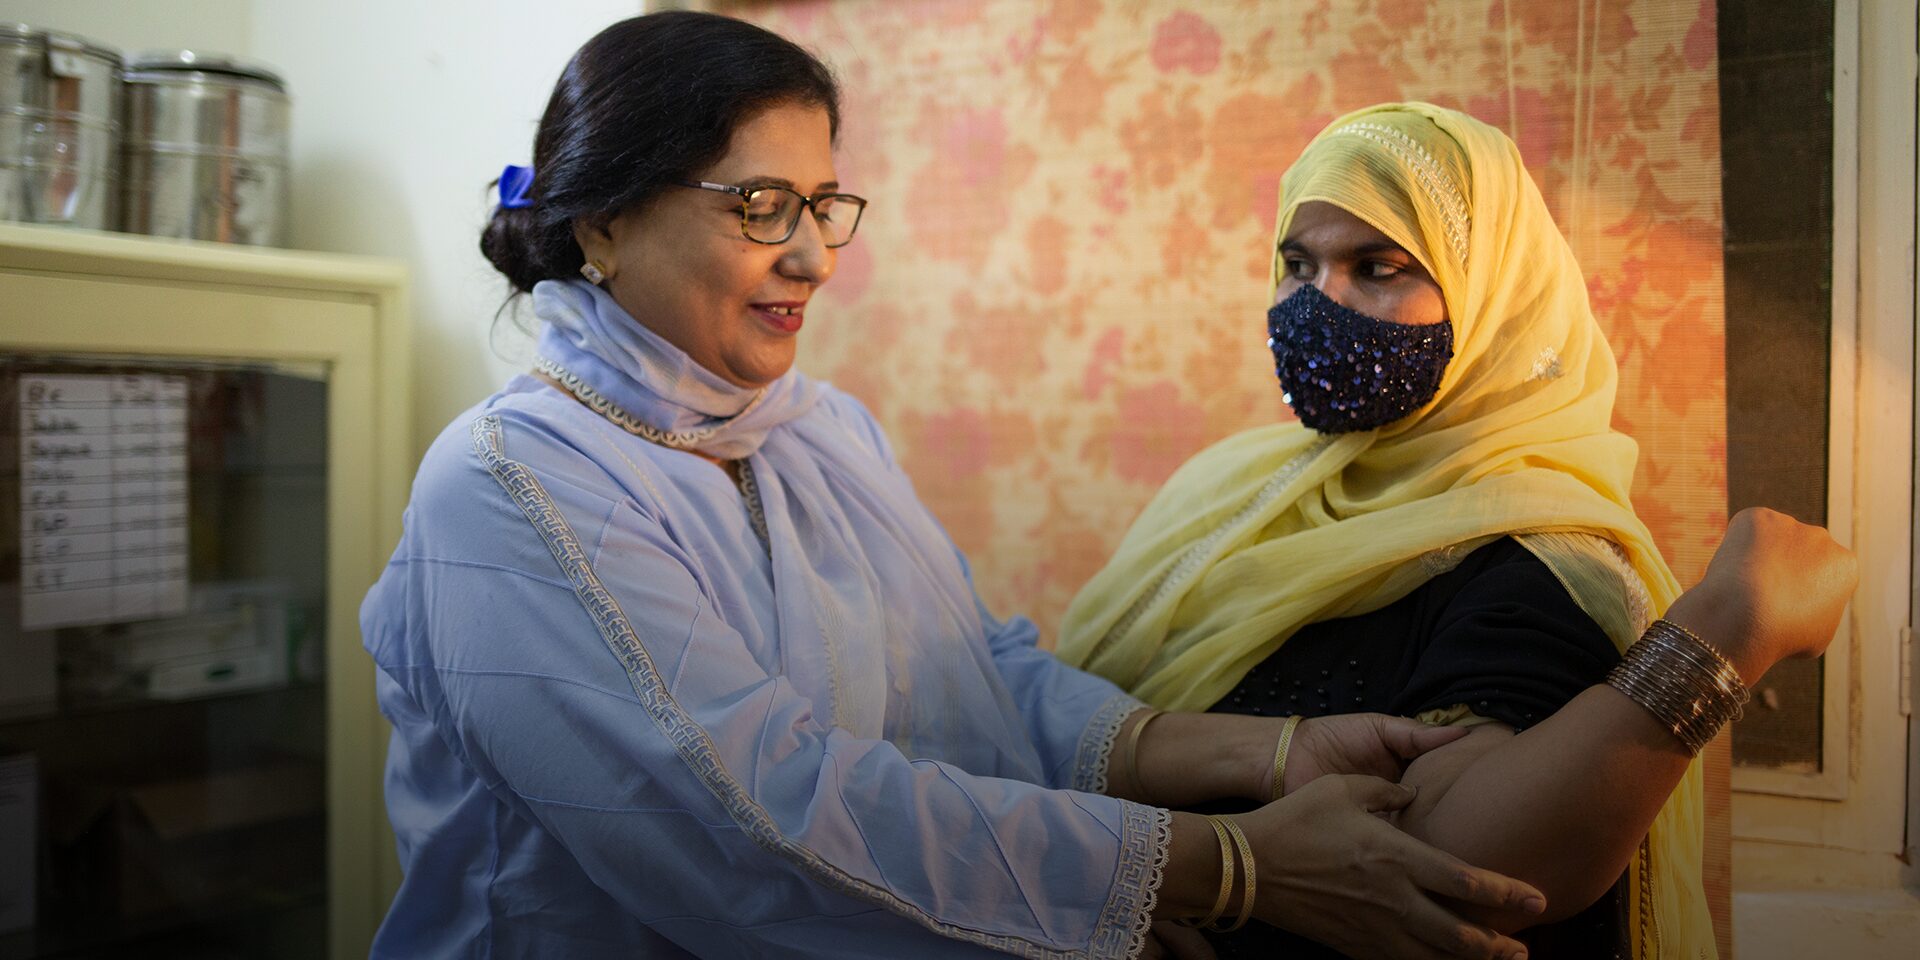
1576,793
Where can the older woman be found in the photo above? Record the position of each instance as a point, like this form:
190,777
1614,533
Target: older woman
677,665
1446,532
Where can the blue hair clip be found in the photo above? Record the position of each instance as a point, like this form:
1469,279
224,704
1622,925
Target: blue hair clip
514,183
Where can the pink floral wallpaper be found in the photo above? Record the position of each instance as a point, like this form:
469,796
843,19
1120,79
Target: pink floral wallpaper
1058,293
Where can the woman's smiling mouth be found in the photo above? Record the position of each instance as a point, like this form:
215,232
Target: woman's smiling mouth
785,316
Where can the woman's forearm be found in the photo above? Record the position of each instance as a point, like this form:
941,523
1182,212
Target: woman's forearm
1185,759
1191,879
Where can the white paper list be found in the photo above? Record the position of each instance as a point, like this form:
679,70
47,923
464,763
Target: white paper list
103,498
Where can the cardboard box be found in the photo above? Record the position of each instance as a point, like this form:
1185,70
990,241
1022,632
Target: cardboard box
215,839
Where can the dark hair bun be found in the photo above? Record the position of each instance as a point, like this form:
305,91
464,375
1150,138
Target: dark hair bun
507,246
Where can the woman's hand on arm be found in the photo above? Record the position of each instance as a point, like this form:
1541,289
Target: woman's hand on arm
1188,758
1562,806
1327,866
1372,744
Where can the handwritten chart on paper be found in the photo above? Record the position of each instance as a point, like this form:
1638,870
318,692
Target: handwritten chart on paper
103,498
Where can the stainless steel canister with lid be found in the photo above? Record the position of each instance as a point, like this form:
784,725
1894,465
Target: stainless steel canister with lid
206,154
59,128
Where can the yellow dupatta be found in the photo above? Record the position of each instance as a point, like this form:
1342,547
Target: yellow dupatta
1278,527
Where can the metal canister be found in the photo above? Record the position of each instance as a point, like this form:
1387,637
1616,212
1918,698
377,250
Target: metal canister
59,128
206,154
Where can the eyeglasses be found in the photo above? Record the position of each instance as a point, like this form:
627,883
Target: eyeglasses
771,214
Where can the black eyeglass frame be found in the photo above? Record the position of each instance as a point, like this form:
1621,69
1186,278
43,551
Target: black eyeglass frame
807,204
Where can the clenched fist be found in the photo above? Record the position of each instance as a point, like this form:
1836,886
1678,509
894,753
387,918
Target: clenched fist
1775,589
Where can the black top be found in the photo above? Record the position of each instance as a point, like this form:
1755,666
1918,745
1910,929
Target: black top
1498,633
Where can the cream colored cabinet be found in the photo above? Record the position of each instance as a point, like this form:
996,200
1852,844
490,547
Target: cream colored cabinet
203,461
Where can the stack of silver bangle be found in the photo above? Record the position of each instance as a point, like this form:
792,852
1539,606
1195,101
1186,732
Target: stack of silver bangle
1684,682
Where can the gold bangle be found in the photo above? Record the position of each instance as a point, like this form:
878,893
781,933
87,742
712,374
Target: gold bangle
1280,757
1246,866
1132,753
1688,686
1226,877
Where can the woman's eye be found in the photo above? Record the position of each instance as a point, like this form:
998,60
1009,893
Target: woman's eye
1380,269
1299,269
765,205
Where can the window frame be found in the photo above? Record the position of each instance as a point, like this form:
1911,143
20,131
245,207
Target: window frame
1831,781
1847,824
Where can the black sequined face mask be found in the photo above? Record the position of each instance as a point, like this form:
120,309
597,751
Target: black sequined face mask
1344,371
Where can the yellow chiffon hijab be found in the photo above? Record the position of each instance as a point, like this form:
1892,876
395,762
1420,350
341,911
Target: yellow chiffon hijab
1280,526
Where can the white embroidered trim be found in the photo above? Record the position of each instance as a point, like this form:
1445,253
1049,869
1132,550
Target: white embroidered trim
679,440
1145,831
756,513
1197,553
1433,178
1162,842
1096,743
1639,602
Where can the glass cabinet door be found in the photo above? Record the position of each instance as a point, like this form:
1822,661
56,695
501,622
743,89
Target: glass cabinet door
163,669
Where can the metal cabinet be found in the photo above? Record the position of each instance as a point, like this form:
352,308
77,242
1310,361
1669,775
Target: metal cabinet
203,461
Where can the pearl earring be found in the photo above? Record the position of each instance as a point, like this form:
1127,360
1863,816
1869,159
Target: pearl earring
594,272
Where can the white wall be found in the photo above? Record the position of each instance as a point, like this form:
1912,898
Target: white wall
403,110
132,26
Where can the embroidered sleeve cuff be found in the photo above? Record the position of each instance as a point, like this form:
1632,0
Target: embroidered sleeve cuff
1096,743
1146,835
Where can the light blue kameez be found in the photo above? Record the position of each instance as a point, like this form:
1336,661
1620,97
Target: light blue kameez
626,725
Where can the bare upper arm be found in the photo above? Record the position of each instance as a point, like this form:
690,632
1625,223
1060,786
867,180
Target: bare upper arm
1435,771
